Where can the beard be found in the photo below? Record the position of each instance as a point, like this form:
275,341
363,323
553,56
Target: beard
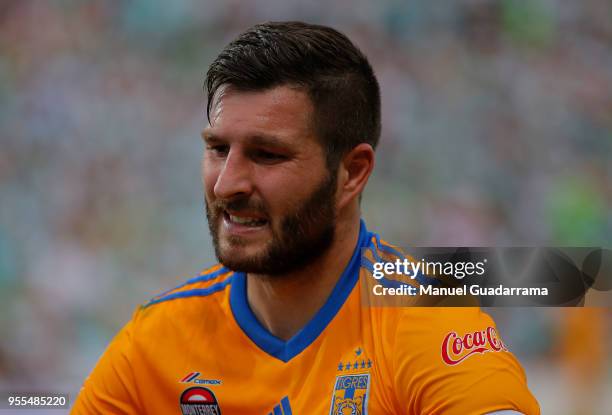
305,234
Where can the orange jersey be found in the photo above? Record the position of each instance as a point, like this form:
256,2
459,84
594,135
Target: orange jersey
199,349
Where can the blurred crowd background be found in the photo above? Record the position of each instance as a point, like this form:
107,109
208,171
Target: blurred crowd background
497,130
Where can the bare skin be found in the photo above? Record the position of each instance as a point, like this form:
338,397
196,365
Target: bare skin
261,145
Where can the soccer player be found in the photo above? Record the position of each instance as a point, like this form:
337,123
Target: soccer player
279,326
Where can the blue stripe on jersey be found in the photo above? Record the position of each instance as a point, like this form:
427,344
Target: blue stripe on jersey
285,410
286,350
387,249
206,277
199,278
196,292
421,278
286,406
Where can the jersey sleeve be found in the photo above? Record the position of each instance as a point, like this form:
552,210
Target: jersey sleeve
452,361
110,388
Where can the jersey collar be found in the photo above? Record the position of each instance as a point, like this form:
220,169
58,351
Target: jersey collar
286,350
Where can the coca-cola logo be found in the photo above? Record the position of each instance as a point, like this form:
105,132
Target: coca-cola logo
456,348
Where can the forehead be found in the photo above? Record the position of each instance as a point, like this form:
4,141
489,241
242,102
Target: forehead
283,111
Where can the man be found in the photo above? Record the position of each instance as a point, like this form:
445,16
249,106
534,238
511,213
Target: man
279,326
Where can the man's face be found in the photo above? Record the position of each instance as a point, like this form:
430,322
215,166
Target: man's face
270,200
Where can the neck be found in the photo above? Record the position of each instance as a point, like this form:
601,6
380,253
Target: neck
284,304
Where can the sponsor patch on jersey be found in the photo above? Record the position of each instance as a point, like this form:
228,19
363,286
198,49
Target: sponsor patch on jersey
194,377
199,401
350,395
456,348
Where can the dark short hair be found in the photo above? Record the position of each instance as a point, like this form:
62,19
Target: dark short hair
333,72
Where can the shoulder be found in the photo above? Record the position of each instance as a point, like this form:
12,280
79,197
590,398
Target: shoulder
377,252
209,285
202,299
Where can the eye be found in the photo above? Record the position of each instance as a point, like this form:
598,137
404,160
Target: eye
268,156
218,150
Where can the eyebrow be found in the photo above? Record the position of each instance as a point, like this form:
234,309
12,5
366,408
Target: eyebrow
207,135
256,139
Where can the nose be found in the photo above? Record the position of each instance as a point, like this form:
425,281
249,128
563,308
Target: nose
234,178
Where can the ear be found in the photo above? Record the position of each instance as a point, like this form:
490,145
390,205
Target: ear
354,172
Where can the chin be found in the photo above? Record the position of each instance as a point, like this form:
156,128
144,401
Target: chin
239,258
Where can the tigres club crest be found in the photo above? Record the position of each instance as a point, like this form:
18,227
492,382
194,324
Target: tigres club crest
350,395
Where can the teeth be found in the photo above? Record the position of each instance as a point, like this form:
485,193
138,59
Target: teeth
246,221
